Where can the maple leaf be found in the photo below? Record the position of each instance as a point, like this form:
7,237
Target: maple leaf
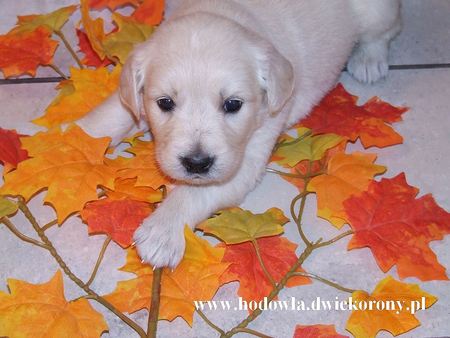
367,323
85,90
310,148
278,255
90,56
23,53
7,207
70,165
339,113
142,166
398,228
306,168
93,29
119,219
316,331
11,152
196,277
346,175
53,21
235,225
150,12
111,4
40,310
130,32
127,189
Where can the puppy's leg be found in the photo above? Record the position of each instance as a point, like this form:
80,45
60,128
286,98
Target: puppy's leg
111,119
160,239
380,22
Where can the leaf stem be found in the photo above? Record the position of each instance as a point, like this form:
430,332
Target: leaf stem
253,332
325,281
335,239
261,263
49,225
5,220
297,140
59,71
49,246
154,305
99,260
60,34
210,323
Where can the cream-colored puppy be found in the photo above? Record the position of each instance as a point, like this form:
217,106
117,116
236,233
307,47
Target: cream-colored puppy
220,80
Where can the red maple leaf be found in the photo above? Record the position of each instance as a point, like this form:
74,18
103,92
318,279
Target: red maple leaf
90,56
339,113
278,255
316,331
11,152
116,218
398,228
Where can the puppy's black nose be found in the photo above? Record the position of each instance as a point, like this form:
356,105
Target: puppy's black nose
197,163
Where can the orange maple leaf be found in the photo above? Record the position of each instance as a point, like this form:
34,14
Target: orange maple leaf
142,166
85,90
11,152
22,53
366,323
278,255
111,4
316,331
398,228
127,189
149,12
70,165
339,113
346,175
40,310
197,277
119,219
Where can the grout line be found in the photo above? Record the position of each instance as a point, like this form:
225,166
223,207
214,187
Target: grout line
59,79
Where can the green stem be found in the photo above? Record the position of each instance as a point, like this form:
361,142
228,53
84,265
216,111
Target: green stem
297,140
24,208
154,305
325,281
5,220
210,323
69,48
253,332
99,260
261,263
299,176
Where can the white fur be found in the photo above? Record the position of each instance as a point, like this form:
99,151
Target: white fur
281,57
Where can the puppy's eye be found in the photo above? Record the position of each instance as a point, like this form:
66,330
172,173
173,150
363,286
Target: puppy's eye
232,105
166,104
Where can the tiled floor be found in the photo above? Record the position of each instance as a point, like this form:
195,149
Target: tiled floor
424,157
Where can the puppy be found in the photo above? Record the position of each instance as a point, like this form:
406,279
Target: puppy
220,80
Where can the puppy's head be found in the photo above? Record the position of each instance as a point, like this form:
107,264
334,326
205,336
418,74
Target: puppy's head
206,85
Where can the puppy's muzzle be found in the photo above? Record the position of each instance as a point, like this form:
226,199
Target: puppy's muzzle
197,163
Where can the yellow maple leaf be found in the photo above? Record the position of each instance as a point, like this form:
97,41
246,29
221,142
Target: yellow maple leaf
197,277
86,89
347,174
130,32
236,225
367,323
53,21
70,165
40,310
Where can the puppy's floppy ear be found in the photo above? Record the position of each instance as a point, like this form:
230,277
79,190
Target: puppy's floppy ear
276,75
132,83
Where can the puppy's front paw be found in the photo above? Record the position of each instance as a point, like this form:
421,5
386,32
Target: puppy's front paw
369,62
160,244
